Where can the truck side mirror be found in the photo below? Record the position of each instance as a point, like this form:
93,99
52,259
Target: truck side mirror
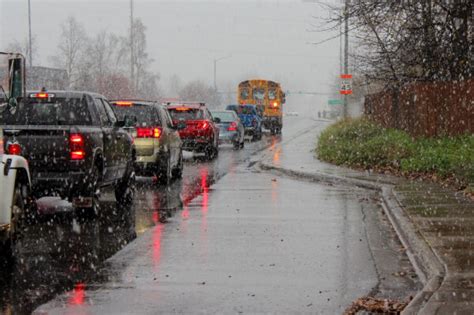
16,77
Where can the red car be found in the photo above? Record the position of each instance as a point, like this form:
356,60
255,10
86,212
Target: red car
201,133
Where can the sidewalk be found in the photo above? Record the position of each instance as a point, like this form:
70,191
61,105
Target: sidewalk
436,225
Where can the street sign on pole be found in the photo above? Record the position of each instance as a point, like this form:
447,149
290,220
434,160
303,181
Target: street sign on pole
335,102
346,84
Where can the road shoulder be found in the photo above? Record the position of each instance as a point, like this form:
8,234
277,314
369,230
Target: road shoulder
418,212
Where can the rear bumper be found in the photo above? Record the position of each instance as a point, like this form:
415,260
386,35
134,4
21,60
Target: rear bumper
196,144
228,137
148,165
64,184
250,130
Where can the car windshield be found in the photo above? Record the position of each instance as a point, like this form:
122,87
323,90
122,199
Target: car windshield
144,115
186,113
53,111
224,116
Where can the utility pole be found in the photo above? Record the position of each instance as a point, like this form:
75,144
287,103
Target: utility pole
132,43
30,54
215,74
346,50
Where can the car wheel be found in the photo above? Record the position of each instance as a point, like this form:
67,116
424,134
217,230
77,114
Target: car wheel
20,211
255,136
125,190
211,151
165,175
237,145
94,180
178,171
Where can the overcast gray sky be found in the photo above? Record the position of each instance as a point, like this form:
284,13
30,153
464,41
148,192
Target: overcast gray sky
267,39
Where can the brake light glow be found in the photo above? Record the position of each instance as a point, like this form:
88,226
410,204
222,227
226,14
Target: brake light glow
123,103
182,109
149,132
76,147
156,132
203,125
41,95
232,126
14,149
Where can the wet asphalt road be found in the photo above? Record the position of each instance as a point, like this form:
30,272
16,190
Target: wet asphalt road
57,253
226,237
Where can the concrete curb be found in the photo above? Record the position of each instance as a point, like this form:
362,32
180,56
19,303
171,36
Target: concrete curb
427,265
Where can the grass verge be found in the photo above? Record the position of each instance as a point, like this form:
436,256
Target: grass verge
360,143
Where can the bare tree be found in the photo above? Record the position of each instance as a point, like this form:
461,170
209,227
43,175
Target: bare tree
23,47
405,41
70,48
199,91
175,84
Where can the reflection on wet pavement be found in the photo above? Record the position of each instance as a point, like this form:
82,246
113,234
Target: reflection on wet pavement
59,253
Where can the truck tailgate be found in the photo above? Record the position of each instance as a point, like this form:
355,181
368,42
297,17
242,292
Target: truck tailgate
45,147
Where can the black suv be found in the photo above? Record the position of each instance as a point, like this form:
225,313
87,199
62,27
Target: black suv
74,144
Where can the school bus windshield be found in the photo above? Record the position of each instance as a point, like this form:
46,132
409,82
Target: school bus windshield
259,94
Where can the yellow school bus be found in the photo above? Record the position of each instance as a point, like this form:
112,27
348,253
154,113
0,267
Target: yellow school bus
269,98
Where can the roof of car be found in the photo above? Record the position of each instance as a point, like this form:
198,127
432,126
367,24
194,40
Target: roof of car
237,105
66,93
185,104
134,102
194,106
222,111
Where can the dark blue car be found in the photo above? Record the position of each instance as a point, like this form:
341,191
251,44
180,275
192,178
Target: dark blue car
250,118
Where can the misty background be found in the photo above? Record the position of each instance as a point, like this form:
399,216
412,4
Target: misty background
255,39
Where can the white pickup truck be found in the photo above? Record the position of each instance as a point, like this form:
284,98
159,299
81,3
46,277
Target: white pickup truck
15,183
15,186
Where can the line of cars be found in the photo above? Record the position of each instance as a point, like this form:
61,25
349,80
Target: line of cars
74,144
78,143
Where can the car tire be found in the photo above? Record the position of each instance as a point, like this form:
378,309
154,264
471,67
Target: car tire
125,189
211,151
178,171
20,211
165,175
237,145
94,179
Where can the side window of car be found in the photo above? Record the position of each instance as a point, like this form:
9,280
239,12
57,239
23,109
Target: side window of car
207,114
110,112
104,119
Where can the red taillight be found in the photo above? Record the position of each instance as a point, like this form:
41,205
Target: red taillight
149,132
76,146
14,149
42,95
203,125
123,103
232,126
